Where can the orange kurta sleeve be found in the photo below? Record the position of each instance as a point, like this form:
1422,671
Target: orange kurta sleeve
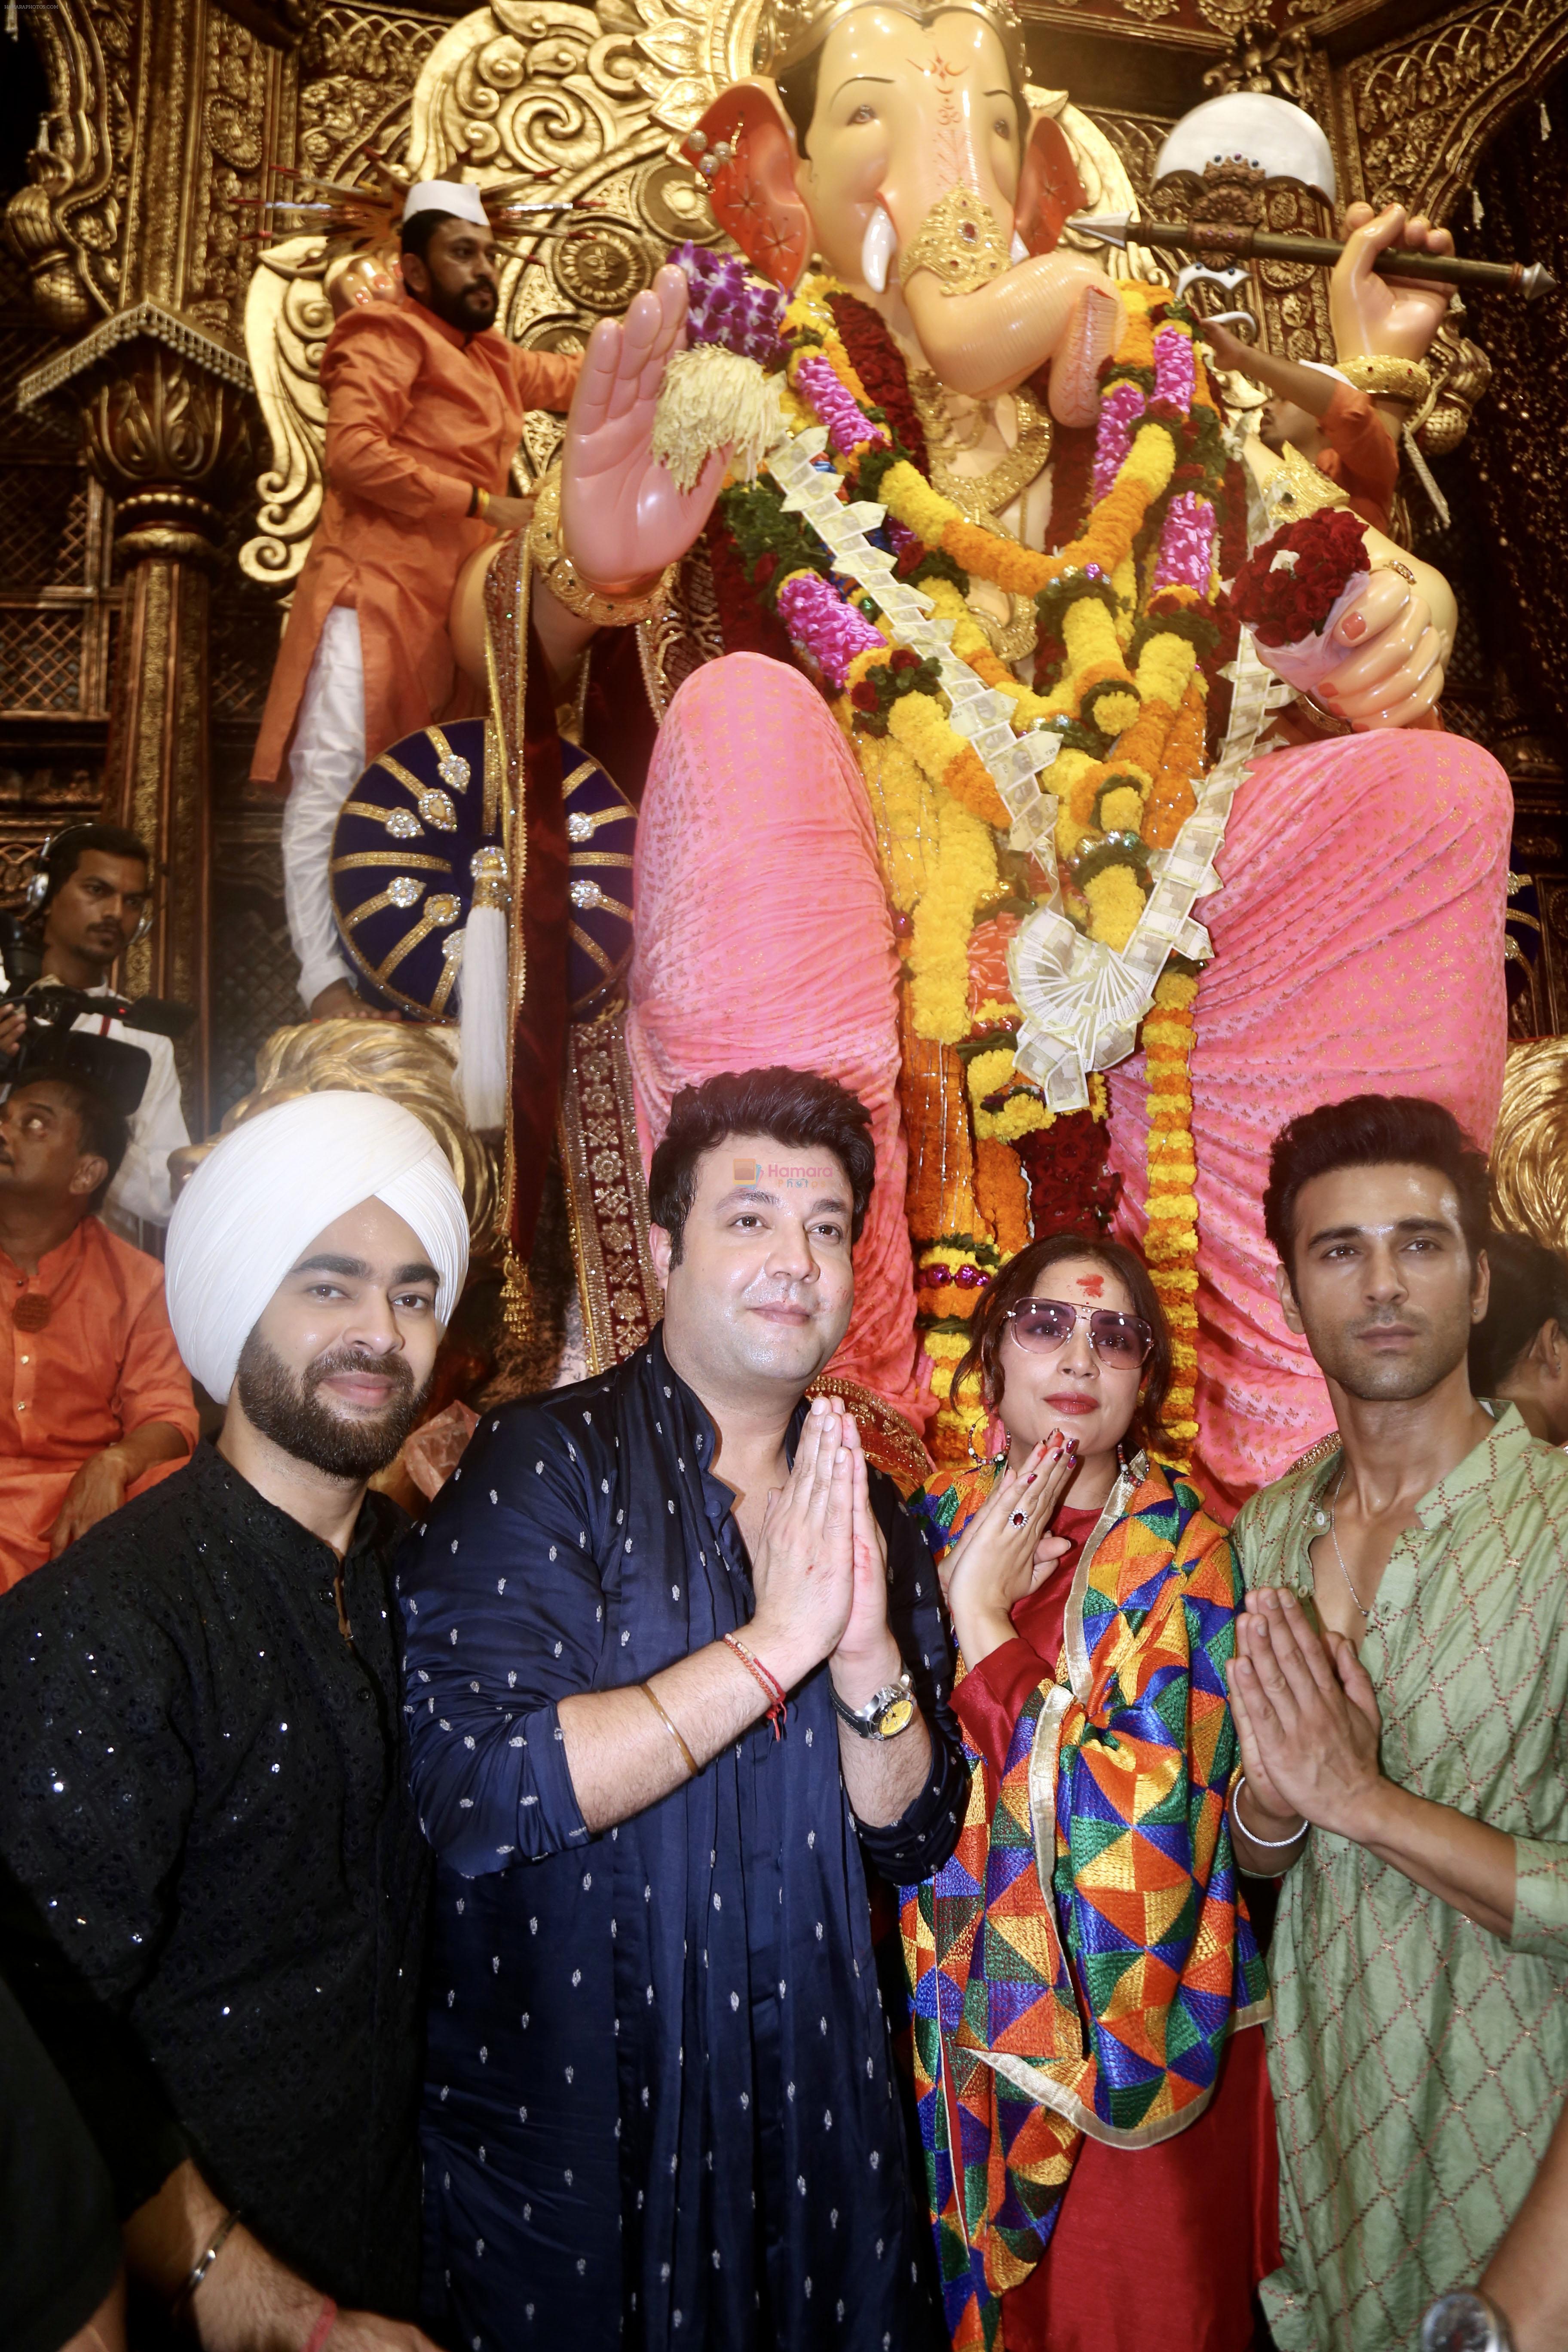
1360,455
153,1384
368,374
546,379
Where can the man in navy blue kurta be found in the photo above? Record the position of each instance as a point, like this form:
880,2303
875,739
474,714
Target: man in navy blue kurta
660,2108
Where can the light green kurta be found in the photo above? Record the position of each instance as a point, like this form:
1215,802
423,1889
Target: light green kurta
1418,2062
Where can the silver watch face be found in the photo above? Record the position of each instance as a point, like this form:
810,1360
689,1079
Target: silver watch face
1460,2322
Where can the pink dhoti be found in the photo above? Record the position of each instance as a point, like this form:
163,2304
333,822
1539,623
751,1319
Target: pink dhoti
1358,950
764,937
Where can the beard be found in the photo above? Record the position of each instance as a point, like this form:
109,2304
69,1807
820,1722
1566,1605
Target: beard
472,310
1372,1376
295,1417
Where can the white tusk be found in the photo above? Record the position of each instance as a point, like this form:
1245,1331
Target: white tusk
882,242
1017,250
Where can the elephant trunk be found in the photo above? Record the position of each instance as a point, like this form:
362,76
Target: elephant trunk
1054,306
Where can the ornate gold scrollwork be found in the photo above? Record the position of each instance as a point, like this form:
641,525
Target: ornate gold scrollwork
67,222
1424,107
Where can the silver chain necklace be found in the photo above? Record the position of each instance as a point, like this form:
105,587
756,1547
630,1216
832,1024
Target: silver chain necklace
1334,1539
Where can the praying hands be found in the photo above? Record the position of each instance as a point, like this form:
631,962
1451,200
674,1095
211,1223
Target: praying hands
1308,1721
1307,1717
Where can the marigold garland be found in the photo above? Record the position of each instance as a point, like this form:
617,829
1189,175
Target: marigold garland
1124,604
1171,1241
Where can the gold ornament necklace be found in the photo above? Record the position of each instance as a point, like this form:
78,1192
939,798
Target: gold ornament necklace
979,496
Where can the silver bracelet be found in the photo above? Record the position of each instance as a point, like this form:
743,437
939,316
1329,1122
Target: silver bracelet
1268,1845
219,2240
1465,2320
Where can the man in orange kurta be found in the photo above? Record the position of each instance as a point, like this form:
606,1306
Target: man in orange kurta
424,408
95,1404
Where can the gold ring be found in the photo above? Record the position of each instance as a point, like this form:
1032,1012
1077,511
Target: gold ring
1391,564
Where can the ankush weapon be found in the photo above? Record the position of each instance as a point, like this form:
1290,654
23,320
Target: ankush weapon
1247,243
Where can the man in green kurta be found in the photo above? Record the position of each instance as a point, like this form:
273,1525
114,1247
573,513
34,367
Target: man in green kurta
1399,1690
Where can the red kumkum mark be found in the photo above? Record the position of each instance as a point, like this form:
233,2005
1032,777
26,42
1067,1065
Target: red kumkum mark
1091,1285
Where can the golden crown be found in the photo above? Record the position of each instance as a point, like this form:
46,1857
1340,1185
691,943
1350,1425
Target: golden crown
788,30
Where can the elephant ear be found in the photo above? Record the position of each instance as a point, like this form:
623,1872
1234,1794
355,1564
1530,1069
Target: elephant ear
1049,189
753,193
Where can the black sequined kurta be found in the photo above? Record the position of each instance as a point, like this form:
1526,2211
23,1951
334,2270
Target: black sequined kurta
660,2108
214,1897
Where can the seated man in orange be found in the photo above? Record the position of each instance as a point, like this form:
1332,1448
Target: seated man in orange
425,407
94,1401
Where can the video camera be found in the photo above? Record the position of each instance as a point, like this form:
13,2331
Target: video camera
51,1041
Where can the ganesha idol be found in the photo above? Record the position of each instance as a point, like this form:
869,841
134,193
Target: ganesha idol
971,812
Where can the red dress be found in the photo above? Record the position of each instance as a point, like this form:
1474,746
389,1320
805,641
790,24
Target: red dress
1208,2198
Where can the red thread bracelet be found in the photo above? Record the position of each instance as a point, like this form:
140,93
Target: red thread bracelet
772,1689
326,2320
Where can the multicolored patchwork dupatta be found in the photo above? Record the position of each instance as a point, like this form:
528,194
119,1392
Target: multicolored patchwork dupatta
1102,2004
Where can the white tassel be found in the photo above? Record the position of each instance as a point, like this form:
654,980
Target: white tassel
715,399
482,1055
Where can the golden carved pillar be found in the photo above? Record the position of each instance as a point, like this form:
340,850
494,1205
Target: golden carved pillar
168,119
167,431
169,437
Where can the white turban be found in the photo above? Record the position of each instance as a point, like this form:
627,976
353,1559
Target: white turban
459,197
261,1196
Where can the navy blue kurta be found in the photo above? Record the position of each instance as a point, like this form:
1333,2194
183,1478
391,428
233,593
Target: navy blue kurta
661,2106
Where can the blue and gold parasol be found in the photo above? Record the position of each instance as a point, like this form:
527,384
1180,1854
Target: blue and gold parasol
423,830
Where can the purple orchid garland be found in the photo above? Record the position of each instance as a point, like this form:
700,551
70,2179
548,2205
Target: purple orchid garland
1185,559
848,427
725,304
1176,369
824,626
1119,412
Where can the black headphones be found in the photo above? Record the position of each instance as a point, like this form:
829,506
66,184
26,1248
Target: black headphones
38,889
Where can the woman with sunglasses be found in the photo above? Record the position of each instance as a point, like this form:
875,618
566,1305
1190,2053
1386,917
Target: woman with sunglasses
1101,2162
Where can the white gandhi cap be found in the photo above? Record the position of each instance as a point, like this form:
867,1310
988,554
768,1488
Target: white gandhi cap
459,196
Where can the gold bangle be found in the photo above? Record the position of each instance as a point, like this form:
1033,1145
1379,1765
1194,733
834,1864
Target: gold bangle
1385,377
673,1728
564,582
959,242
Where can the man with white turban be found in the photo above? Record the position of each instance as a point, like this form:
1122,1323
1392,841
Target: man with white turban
425,403
214,1897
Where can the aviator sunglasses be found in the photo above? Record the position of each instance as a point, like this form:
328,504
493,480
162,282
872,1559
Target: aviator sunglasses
1121,1342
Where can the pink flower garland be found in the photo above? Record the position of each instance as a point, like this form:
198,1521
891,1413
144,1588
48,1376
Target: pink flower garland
1176,369
847,427
1119,412
1186,545
824,625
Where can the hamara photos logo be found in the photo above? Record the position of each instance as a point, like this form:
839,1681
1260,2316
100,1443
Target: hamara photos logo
773,1172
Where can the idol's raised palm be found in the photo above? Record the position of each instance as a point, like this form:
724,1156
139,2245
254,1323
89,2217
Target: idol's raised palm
622,518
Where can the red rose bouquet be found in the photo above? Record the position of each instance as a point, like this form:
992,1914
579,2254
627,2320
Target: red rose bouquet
1293,591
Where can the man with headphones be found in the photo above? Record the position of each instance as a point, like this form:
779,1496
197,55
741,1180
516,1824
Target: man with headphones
91,897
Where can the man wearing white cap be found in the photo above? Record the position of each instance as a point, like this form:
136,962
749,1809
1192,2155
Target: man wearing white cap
424,408
213,1886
